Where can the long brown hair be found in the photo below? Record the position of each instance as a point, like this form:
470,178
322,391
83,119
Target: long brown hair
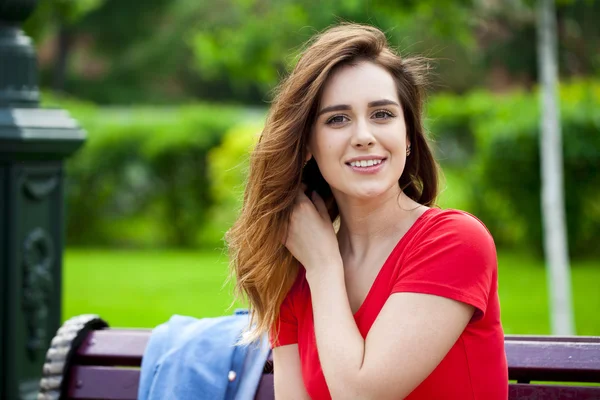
263,268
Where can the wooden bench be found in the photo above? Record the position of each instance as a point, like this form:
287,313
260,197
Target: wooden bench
103,363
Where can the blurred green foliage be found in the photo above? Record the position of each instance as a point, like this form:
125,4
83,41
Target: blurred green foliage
142,178
174,176
49,13
159,51
496,139
507,169
253,43
228,169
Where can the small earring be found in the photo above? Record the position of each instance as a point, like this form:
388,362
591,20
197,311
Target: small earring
408,150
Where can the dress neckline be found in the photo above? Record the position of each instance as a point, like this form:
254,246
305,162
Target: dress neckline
386,263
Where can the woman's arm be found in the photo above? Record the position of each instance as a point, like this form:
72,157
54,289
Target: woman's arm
414,331
409,338
288,374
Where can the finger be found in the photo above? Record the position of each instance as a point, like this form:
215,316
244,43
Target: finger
320,205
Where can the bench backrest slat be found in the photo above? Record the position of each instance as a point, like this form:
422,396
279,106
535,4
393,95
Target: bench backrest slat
90,382
99,373
553,361
540,392
529,357
266,390
114,347
549,338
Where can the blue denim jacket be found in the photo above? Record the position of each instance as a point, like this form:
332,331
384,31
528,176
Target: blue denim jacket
188,358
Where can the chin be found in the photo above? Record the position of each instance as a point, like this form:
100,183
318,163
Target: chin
369,192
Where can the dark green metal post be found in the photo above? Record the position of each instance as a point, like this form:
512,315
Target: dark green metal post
34,143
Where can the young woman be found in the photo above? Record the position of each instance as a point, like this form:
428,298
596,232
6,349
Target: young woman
366,289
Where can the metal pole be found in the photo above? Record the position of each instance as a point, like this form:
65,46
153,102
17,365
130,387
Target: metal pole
553,208
34,143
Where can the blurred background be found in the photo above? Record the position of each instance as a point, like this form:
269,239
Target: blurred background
172,94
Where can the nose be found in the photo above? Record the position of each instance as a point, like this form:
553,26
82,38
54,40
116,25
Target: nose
362,136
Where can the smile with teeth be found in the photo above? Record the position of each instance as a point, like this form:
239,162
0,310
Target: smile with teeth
365,163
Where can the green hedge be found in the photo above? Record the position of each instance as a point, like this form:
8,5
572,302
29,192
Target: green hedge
142,179
508,169
502,161
228,169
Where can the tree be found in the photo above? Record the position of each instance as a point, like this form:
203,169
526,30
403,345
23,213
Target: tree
164,51
254,42
553,208
59,15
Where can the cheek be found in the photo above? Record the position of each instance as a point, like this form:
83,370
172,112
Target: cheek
329,156
329,165
326,148
397,141
396,145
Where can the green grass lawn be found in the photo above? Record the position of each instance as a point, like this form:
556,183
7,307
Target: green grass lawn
144,288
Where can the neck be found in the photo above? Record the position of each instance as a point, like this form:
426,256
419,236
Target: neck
365,225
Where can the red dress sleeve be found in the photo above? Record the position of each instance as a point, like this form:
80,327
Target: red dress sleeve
455,257
285,329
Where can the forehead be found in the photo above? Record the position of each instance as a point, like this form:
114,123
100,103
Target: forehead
360,83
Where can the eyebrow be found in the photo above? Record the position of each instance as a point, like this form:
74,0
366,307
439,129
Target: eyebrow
342,107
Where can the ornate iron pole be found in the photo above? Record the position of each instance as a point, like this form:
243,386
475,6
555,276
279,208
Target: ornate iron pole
34,143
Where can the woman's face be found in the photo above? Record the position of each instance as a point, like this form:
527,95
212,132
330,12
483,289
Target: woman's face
359,136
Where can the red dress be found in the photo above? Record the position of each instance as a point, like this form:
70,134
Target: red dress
447,253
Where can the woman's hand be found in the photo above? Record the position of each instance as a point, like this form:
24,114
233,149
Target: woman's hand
311,237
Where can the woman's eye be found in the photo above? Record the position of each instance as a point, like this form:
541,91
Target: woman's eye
336,119
383,114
